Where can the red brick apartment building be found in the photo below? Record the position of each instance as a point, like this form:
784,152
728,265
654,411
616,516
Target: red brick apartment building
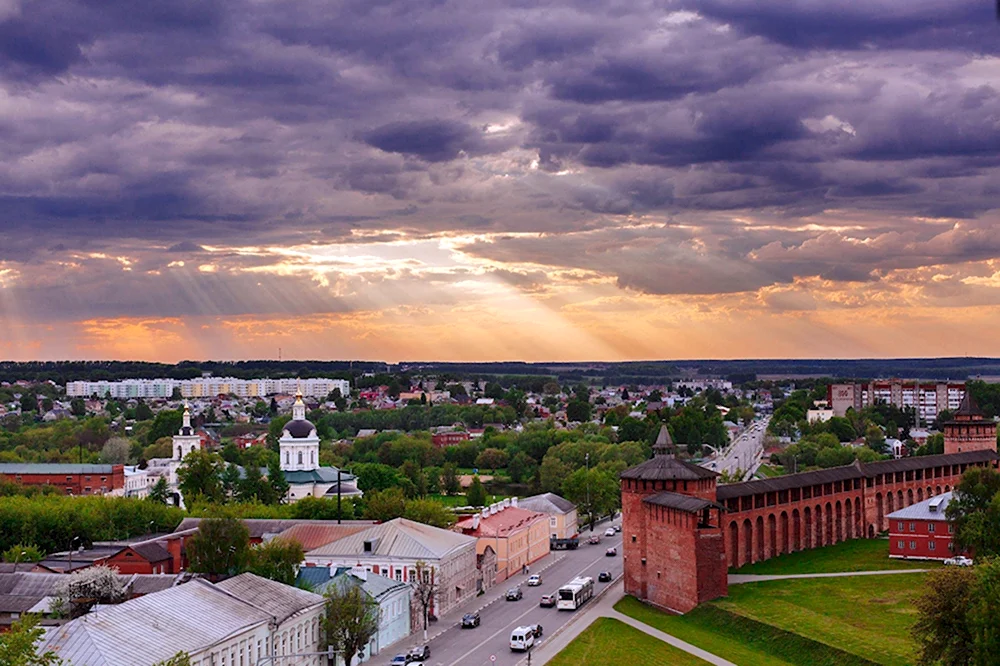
921,531
443,439
682,531
72,479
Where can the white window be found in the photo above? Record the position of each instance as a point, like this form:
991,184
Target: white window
913,545
901,545
931,545
930,527
399,575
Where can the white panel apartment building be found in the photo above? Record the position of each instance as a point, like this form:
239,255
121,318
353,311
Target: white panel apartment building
207,387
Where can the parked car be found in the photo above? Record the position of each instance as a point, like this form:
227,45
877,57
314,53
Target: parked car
595,538
611,552
398,660
548,601
609,532
418,653
618,528
513,594
604,577
534,580
959,561
470,620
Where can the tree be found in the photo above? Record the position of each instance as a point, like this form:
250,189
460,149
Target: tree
179,659
375,476
350,621
385,504
20,552
578,410
115,451
278,559
78,592
144,413
449,479
476,494
230,480
596,491
253,487
318,508
424,589
975,511
220,547
521,466
875,439
429,512
29,404
160,492
77,407
200,476
18,645
275,477
491,459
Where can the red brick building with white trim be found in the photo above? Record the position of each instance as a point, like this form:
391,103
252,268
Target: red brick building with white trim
921,531
72,479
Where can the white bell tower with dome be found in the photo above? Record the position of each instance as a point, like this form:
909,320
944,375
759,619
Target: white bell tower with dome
186,440
299,443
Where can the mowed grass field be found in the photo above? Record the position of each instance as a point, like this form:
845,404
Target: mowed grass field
853,555
814,621
608,642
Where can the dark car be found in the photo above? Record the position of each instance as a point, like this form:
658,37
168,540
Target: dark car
604,577
470,620
418,653
611,552
514,594
548,601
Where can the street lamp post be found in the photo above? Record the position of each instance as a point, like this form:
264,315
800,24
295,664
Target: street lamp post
590,510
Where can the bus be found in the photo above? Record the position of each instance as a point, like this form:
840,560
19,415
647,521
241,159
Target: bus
575,593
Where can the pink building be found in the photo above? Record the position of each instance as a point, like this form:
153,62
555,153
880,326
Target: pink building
518,536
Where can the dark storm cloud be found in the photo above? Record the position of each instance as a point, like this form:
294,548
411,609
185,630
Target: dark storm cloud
158,131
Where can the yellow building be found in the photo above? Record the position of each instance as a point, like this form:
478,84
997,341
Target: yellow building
518,536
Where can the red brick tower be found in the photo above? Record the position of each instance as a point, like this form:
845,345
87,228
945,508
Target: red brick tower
673,547
969,429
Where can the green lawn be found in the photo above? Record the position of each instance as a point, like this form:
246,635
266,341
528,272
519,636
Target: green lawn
768,472
853,555
812,621
608,642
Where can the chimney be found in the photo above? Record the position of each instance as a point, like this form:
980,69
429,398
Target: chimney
475,522
506,502
513,502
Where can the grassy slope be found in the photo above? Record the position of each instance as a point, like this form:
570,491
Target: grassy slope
803,621
608,642
854,555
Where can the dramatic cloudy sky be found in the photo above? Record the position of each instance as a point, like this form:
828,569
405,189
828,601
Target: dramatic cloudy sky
463,179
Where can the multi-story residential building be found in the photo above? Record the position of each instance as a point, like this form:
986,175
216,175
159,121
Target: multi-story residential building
394,548
927,398
205,387
561,513
72,479
243,620
921,531
518,536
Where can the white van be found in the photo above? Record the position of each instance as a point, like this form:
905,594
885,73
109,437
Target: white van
522,638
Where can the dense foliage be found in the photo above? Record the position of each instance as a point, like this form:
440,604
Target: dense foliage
975,511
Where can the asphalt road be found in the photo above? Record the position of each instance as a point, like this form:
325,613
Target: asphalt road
744,453
454,646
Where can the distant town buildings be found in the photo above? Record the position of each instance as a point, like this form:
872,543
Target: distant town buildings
299,452
205,387
519,536
72,479
926,398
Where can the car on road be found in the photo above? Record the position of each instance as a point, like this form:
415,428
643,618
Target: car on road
609,532
595,538
547,601
958,561
398,660
522,638
604,577
611,552
534,580
470,620
418,653
618,528
513,594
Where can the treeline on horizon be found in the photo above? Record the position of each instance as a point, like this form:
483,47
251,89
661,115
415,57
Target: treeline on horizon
606,373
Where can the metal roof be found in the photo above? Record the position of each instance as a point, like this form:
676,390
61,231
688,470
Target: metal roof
260,527
547,503
680,502
17,589
398,538
663,467
313,535
278,600
922,510
856,470
154,627
503,523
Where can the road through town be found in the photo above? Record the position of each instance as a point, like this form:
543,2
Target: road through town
744,454
453,646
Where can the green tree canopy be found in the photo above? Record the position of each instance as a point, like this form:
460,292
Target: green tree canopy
18,647
220,547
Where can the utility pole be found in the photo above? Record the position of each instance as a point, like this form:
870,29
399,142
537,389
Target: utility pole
338,496
590,509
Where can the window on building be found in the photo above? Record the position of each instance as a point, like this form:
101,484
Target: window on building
913,527
930,527
931,545
951,529
901,545
399,575
913,545
899,526
300,457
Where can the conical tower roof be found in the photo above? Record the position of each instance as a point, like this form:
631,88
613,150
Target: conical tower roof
664,444
665,466
969,409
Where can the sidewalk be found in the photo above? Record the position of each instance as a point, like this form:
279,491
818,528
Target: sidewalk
604,606
737,579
